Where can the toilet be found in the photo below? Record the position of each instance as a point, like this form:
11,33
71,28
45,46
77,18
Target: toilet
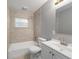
36,50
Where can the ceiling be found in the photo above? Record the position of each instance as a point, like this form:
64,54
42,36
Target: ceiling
31,5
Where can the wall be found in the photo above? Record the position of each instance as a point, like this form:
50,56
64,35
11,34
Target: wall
8,27
37,24
21,34
45,20
64,21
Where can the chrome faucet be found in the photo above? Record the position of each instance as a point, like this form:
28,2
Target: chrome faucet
62,41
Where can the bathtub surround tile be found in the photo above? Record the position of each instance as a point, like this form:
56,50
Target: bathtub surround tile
21,34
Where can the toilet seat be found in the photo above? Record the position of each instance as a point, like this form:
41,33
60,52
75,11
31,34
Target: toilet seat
34,49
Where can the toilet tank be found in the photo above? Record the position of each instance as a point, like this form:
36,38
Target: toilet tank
40,39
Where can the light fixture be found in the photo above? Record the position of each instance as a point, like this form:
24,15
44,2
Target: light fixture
58,1
24,8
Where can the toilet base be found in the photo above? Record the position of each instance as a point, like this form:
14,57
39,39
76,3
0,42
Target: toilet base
36,56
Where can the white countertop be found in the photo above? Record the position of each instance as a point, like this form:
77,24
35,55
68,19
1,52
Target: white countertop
55,44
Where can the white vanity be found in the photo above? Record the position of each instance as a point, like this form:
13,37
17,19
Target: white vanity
54,50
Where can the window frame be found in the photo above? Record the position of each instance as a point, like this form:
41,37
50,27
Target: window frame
25,25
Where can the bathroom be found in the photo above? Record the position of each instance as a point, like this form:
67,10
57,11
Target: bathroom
39,29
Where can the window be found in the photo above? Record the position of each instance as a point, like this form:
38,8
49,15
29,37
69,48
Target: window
21,22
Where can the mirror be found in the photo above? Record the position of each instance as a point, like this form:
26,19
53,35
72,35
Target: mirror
64,20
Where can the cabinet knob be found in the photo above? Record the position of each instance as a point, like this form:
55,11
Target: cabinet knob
52,54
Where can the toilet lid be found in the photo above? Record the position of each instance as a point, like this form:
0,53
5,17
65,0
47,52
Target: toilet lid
34,49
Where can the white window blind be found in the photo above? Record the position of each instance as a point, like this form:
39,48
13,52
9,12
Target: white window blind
21,22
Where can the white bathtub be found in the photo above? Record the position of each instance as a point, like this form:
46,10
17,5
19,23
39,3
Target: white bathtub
25,48
19,49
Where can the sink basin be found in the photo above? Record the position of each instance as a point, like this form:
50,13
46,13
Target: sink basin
56,44
63,47
69,47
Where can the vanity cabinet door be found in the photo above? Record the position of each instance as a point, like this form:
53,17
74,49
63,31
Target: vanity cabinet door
58,55
45,53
